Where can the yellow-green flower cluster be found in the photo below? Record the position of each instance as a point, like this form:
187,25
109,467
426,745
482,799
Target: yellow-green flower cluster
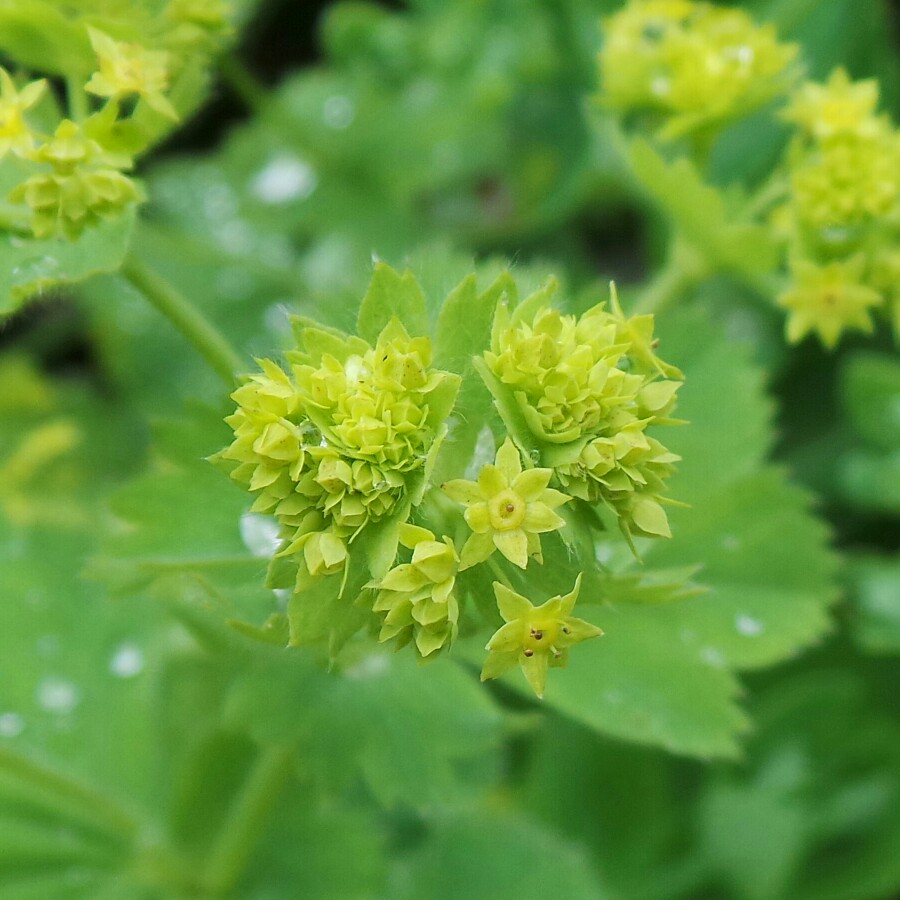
416,598
72,176
78,183
342,442
842,216
590,387
694,65
197,24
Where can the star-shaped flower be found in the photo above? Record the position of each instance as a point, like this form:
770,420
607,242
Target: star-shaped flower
507,509
130,69
534,637
15,134
828,299
840,106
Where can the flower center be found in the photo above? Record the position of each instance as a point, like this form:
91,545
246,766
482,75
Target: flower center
506,510
541,636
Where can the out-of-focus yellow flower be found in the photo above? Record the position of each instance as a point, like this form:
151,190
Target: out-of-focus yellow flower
15,134
839,106
84,186
128,70
828,300
696,64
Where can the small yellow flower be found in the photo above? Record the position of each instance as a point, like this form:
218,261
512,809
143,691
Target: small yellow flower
129,69
840,106
828,299
535,638
507,509
15,135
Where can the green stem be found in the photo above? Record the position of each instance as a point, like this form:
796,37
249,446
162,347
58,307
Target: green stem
87,803
78,100
247,820
243,82
769,193
208,340
682,270
501,576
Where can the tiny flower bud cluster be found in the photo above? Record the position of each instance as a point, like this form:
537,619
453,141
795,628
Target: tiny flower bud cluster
840,220
416,598
694,66
588,388
339,444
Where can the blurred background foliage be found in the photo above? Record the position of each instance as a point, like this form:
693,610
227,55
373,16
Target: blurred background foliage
137,732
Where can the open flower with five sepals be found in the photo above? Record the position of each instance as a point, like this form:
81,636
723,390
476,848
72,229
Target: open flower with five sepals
535,638
507,509
417,597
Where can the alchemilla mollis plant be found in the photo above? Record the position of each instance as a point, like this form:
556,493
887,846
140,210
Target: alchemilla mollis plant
345,448
449,450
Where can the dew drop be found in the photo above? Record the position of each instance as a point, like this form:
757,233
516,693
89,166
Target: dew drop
283,179
11,725
259,534
338,111
713,657
127,661
748,626
56,695
373,666
48,645
660,86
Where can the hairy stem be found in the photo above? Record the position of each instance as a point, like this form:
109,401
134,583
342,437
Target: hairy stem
247,819
206,338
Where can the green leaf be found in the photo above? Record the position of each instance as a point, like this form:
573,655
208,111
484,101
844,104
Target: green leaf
402,726
30,267
40,37
699,212
464,323
763,555
477,854
391,294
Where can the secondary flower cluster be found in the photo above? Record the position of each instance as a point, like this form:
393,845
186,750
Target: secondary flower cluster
841,218
585,391
342,450
694,66
76,176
